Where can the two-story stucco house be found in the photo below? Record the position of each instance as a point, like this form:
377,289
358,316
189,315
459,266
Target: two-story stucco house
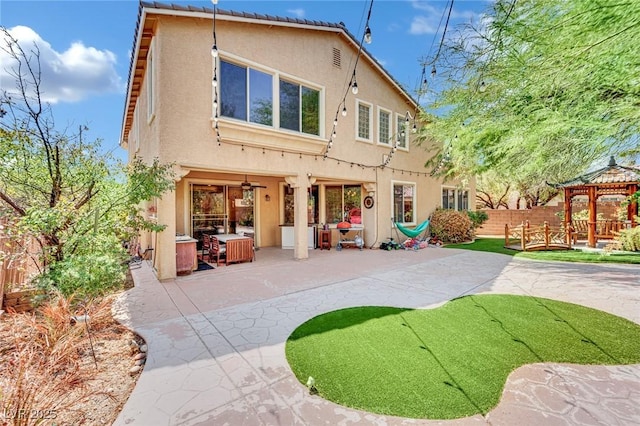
258,135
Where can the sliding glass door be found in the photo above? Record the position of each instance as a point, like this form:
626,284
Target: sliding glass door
208,210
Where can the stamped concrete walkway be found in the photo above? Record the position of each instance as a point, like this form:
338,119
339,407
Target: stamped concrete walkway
216,338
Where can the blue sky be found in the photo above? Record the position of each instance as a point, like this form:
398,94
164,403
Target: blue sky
86,45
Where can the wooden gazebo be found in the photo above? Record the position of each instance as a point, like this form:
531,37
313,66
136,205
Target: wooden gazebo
611,180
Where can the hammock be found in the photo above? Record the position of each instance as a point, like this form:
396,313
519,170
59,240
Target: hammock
413,233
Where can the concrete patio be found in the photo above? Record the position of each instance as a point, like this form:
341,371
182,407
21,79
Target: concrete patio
216,338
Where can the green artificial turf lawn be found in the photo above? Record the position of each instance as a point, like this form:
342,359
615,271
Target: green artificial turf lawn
452,361
496,245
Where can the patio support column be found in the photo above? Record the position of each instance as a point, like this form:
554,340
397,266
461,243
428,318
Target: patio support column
567,212
593,218
632,208
300,185
165,249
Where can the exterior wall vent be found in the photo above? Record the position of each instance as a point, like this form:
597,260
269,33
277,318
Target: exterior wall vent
336,57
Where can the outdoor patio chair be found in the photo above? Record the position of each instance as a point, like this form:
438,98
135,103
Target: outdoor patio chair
216,251
206,248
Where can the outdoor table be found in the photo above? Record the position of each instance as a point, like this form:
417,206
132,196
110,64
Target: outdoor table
238,247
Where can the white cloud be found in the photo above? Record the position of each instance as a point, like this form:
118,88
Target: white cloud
298,13
69,76
431,17
423,25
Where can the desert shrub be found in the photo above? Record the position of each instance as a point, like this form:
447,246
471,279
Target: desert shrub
630,239
96,270
477,218
451,226
44,358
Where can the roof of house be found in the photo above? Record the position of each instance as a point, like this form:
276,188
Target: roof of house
611,174
142,38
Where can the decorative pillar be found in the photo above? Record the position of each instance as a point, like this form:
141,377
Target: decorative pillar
300,185
632,208
567,212
593,217
165,249
370,215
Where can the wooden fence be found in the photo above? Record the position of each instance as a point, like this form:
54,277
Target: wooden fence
18,261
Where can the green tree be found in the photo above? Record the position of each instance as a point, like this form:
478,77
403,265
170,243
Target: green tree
492,192
63,190
539,90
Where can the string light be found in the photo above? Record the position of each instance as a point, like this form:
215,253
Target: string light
367,35
353,84
385,162
214,80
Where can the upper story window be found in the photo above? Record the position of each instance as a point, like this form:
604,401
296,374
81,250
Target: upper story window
455,199
401,131
260,97
404,201
246,92
135,130
364,121
384,127
150,76
299,108
265,97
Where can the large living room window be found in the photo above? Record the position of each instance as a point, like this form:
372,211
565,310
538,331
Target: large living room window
404,202
342,202
246,92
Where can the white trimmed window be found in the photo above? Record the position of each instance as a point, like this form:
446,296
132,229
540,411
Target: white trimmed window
384,126
401,132
404,202
365,113
246,94
455,199
150,77
268,98
343,202
135,130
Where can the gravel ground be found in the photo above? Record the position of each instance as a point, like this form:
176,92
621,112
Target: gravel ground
95,400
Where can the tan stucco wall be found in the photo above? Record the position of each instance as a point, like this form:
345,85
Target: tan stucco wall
181,130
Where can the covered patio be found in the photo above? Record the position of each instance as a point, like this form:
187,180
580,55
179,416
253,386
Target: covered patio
613,179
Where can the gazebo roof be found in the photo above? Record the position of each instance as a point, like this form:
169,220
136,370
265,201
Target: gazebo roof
612,174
